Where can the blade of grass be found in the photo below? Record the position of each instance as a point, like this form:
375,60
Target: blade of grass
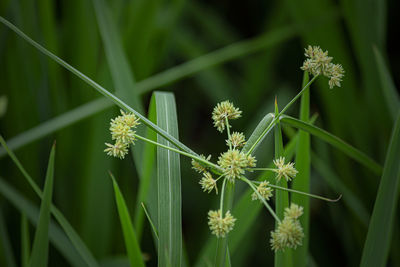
69,230
56,235
377,244
262,125
169,186
282,258
334,141
389,89
25,241
40,247
131,242
302,180
5,244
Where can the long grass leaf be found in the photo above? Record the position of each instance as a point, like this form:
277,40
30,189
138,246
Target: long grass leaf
377,244
131,242
40,247
389,89
262,125
282,258
302,180
69,230
56,235
25,241
336,142
169,186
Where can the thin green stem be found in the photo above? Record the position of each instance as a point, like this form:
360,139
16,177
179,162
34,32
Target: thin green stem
221,203
228,132
261,198
301,192
276,118
150,221
261,169
181,152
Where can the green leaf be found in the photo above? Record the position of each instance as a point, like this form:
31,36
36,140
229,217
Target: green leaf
25,241
377,244
302,180
56,235
40,247
389,89
258,131
282,258
131,242
69,230
334,141
169,185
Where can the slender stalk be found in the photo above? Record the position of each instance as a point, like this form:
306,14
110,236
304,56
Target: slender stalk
228,132
261,169
244,179
181,152
221,203
301,192
277,117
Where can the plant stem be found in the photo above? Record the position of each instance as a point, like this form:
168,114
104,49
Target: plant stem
181,152
221,203
229,132
261,198
276,118
301,192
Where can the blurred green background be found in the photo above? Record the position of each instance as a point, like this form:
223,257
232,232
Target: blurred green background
256,52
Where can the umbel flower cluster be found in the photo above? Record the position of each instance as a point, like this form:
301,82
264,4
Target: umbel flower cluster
233,164
319,63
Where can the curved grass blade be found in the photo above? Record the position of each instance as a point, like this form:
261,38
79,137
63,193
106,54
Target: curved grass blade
56,235
131,242
169,186
334,141
25,241
40,247
6,253
302,180
262,125
377,244
389,89
69,230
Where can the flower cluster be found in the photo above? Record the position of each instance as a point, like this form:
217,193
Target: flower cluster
289,233
236,140
264,190
220,226
224,110
319,63
122,132
234,162
208,183
284,170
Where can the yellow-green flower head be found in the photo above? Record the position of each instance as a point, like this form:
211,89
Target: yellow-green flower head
220,226
118,150
233,162
129,119
264,190
294,211
208,183
198,166
319,63
222,111
236,140
288,234
122,133
284,170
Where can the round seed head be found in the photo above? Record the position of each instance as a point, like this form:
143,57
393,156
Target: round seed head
208,183
294,211
118,150
264,190
222,111
288,234
236,140
198,166
220,226
233,162
284,170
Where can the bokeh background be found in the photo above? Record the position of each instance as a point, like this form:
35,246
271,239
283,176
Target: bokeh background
257,50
